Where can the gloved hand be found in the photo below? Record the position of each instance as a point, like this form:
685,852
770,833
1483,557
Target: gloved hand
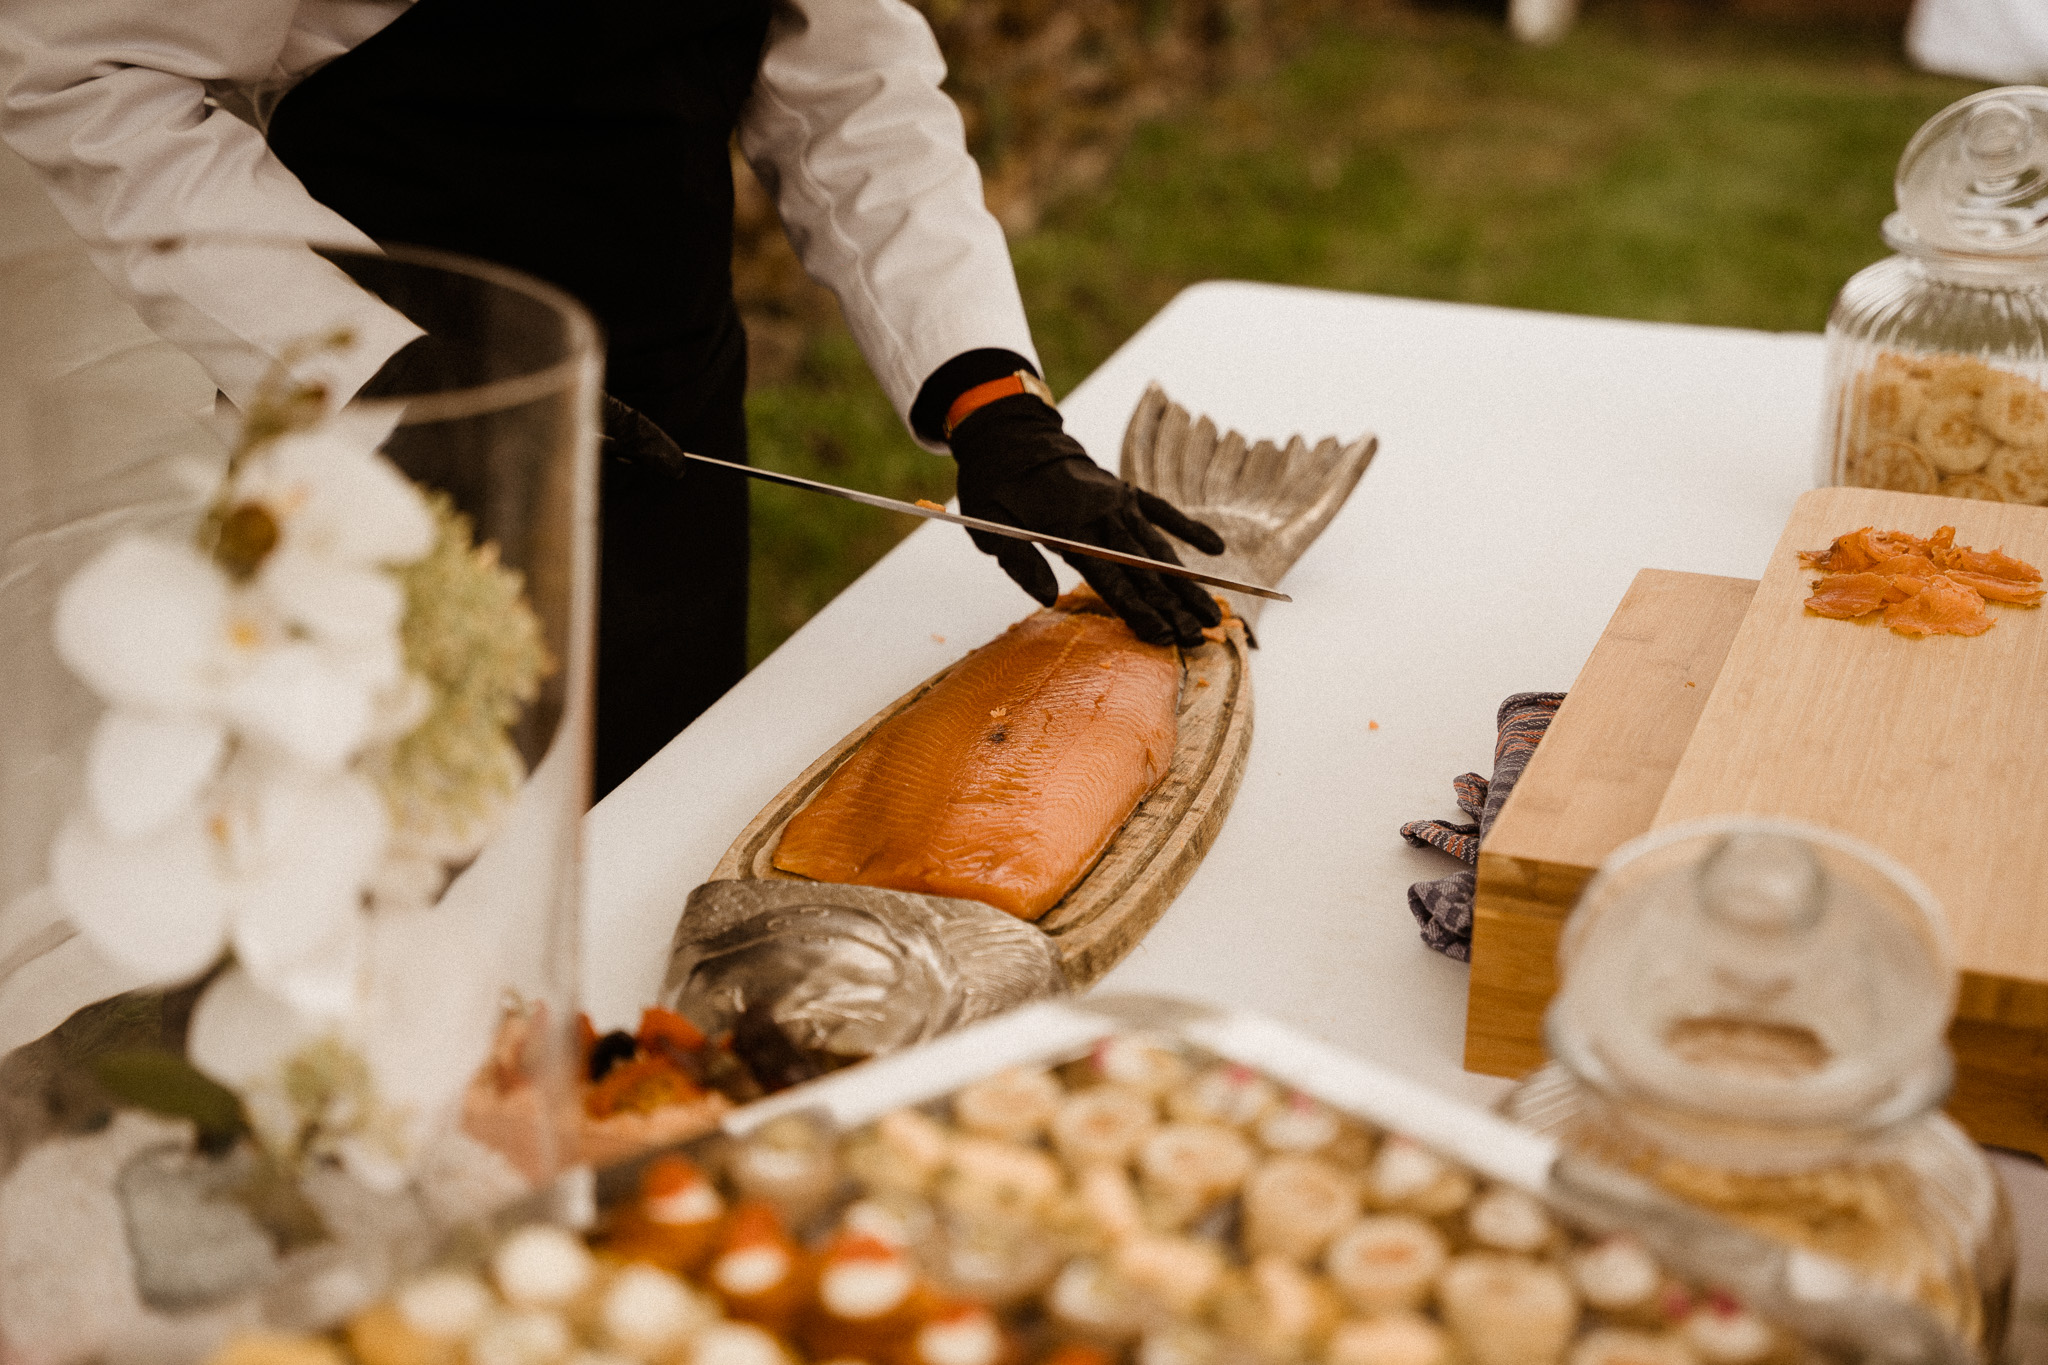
630,435
1018,466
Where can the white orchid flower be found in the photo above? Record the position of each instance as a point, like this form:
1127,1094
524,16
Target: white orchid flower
222,806
271,863
306,1085
184,657
335,498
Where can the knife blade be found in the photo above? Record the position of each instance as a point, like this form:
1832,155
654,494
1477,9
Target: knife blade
1079,547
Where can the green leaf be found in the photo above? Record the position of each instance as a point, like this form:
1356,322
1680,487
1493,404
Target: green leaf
165,1083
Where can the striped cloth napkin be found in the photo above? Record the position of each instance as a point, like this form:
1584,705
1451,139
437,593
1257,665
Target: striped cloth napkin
1443,908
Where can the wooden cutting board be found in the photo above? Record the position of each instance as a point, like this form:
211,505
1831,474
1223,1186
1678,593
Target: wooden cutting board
1934,750
1930,749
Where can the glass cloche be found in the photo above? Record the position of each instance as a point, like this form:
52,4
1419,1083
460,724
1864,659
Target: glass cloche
1937,356
1752,1016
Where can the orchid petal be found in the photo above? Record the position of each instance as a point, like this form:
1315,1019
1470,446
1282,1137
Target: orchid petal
156,904
142,622
311,849
334,601
294,698
242,1033
324,981
142,770
346,502
400,708
282,471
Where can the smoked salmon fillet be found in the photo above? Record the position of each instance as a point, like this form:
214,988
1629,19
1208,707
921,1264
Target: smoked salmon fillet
1006,780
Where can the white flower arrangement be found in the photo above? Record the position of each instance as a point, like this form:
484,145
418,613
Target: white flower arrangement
268,773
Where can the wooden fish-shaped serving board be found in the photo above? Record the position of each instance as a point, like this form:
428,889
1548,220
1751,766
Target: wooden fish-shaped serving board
1929,749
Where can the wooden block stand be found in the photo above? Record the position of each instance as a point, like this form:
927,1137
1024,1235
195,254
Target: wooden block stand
1592,785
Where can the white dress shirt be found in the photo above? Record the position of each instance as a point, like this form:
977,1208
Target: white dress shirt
141,116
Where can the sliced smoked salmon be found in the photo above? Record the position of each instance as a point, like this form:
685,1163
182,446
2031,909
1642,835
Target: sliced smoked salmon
1998,589
1906,566
1845,596
1991,563
1006,780
1863,550
1942,606
1925,587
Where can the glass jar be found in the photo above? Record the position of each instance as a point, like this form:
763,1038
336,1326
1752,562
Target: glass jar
1751,1015
1937,357
292,771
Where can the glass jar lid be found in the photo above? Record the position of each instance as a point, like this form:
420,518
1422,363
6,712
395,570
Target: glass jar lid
1757,972
1974,179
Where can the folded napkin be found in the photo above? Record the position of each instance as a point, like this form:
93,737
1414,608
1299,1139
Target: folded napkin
1443,908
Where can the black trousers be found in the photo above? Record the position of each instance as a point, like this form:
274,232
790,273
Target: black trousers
672,596
586,142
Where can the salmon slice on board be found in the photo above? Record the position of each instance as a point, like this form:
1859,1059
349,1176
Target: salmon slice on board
1941,607
1864,549
1849,595
1991,563
1006,780
1993,589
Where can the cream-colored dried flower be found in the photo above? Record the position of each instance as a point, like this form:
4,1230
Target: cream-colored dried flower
471,636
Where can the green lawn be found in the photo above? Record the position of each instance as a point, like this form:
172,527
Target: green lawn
1676,168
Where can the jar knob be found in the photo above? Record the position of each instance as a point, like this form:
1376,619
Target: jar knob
1975,177
1762,883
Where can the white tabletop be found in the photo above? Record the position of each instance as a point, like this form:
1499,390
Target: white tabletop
1529,465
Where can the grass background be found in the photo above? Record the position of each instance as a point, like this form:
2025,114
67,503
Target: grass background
1674,163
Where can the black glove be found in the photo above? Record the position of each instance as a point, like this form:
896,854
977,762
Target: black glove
631,436
1018,466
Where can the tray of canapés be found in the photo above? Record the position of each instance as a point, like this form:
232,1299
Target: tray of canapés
1133,1182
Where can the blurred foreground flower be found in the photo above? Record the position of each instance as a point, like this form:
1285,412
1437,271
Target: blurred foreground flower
305,730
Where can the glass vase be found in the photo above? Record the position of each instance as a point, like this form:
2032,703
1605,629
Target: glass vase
292,769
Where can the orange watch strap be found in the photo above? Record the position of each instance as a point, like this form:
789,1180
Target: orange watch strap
981,395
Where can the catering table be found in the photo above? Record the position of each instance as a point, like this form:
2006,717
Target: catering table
1529,464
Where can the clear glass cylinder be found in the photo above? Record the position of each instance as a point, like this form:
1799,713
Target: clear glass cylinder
292,770
1751,1015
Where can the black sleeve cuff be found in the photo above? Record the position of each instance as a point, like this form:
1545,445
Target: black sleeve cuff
955,377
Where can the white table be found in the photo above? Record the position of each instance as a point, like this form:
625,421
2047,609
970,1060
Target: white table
1529,464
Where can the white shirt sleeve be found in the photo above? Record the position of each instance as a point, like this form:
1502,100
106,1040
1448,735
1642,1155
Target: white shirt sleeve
866,159
1985,40
107,99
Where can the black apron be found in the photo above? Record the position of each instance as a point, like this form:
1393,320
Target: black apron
585,142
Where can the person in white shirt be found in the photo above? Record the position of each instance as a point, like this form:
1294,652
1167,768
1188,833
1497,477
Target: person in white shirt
585,141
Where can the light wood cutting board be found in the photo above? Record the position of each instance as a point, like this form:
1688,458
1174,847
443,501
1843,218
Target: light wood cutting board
1935,750
1598,780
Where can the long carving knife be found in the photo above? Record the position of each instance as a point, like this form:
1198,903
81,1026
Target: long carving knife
933,512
